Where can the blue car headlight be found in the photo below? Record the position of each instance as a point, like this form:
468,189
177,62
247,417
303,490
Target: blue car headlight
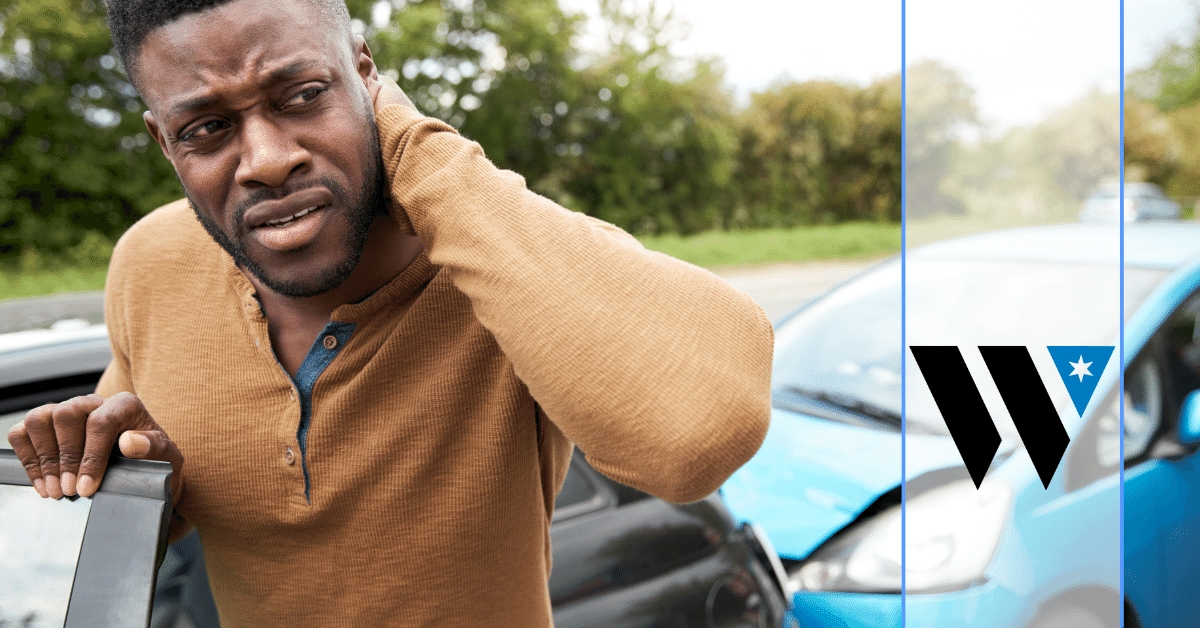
952,532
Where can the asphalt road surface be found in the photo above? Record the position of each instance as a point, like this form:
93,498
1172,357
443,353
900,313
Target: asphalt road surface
777,288
38,312
780,288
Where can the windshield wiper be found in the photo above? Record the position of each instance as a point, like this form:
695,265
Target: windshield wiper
845,403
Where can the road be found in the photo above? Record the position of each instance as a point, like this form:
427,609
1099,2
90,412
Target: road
36,312
780,288
777,288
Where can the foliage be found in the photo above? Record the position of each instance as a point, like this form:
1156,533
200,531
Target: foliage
1162,120
62,279
820,152
940,110
1032,173
1041,171
712,249
631,133
618,134
76,164
1172,80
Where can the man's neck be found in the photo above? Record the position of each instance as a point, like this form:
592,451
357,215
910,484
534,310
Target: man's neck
294,323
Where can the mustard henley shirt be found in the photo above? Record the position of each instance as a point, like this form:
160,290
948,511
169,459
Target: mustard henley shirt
441,428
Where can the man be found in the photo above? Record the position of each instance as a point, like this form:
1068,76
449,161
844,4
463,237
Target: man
372,348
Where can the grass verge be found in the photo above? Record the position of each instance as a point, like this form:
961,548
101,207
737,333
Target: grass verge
14,284
717,249
711,250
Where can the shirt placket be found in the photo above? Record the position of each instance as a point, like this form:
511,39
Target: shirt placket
324,349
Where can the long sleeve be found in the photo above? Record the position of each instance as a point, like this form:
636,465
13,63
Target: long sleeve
116,376
658,370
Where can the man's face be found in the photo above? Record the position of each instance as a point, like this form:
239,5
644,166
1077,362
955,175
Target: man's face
261,107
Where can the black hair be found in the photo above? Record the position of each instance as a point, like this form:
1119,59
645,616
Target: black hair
131,21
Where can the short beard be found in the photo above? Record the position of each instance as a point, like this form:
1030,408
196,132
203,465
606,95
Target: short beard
372,204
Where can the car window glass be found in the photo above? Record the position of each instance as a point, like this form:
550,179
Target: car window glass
576,489
844,345
7,421
39,547
1143,401
1181,336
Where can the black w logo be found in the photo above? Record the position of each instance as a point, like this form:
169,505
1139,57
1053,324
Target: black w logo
968,419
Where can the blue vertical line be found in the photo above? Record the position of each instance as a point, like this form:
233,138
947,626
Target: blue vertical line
1121,340
903,318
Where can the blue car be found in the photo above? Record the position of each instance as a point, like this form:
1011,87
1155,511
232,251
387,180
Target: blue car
1016,550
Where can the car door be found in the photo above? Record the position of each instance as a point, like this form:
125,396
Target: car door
624,559
621,557
1161,512
82,562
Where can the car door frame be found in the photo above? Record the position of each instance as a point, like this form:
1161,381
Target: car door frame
123,541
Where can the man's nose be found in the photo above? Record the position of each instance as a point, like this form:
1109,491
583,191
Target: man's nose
269,154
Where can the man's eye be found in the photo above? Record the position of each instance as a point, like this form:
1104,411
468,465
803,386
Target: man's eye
203,130
306,96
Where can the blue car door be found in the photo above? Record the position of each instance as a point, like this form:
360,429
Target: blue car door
1162,512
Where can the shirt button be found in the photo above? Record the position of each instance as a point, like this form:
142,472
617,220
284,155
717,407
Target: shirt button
289,457
330,342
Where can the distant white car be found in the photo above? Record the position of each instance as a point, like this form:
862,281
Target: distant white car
1143,201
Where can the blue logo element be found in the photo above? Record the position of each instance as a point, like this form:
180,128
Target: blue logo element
1080,369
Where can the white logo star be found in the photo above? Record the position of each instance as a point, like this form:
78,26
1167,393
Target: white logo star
1081,368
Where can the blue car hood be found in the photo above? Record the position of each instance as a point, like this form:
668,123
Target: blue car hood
812,476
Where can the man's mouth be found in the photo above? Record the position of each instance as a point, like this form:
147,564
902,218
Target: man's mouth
279,222
291,222
293,231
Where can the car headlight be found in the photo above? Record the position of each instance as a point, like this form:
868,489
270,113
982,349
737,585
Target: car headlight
952,533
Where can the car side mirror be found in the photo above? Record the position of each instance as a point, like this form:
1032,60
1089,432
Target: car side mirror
1189,419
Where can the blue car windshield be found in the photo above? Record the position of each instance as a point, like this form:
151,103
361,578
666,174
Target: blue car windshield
843,351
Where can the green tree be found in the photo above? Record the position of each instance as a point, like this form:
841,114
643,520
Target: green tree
655,140
500,72
1042,171
940,110
820,152
76,164
626,133
631,133
1172,80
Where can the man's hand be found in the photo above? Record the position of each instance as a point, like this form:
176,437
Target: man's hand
385,93
65,446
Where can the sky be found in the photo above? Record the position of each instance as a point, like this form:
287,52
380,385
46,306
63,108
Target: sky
1023,57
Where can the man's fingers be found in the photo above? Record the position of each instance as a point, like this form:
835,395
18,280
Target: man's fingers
390,94
69,420
154,445
65,447
149,445
18,437
118,414
39,426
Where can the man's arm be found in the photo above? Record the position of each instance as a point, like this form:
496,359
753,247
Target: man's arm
65,447
117,377
657,369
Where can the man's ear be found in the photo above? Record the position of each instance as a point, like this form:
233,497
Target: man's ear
156,133
365,65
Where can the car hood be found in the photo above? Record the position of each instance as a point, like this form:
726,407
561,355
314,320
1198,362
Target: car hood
813,476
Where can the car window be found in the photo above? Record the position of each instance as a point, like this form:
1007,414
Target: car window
101,551
584,491
843,346
39,548
1156,383
7,421
576,489
1143,405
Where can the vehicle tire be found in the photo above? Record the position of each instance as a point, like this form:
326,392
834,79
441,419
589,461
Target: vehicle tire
1069,616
